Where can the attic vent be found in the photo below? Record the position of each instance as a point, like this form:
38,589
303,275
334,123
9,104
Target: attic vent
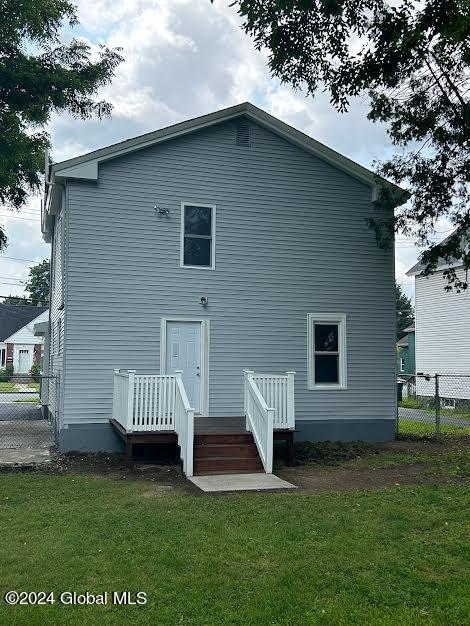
242,137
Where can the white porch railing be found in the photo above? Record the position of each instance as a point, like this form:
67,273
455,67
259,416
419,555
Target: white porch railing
259,420
278,393
184,425
155,403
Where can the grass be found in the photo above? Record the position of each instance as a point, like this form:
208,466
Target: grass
11,387
427,429
398,556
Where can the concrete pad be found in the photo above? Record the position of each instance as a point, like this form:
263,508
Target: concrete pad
25,457
240,482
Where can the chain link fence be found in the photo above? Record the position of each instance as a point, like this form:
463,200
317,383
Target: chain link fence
25,421
432,405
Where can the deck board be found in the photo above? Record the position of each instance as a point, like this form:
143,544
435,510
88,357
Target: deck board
219,425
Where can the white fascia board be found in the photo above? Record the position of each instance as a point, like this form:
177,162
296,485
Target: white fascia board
83,171
448,266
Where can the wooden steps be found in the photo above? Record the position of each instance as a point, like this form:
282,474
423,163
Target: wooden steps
227,453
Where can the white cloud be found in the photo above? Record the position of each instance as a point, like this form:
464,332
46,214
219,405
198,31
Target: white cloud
184,58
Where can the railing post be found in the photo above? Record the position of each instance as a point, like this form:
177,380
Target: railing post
130,399
246,375
437,402
115,396
290,400
189,443
269,443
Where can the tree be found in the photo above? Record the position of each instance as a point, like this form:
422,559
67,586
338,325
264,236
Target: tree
37,286
39,75
411,59
405,311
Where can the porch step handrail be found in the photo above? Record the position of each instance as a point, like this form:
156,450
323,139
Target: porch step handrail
259,421
184,424
278,392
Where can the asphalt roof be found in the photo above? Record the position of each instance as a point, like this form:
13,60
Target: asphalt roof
13,317
403,343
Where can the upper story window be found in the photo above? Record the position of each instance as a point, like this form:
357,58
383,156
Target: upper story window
198,236
327,363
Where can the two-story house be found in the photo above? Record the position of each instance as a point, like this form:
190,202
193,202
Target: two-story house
218,276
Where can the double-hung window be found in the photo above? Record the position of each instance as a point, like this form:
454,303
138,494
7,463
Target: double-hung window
198,236
402,365
327,362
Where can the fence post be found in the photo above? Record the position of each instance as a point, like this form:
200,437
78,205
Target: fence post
130,400
290,400
437,402
246,374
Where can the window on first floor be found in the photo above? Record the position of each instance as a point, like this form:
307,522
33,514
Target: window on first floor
327,367
402,365
198,236
3,356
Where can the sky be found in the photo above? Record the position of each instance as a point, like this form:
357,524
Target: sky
185,58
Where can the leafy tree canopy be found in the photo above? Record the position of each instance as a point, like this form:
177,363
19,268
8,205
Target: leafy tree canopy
405,311
411,58
39,75
37,286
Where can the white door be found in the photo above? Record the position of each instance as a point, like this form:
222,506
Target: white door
24,361
183,352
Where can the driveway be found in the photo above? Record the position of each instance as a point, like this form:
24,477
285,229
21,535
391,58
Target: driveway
419,415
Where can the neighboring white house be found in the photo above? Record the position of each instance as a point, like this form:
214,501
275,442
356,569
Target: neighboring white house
18,344
442,320
225,243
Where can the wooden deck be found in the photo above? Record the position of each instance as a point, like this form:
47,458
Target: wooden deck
202,426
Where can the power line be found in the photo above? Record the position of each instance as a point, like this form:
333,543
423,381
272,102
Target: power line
12,258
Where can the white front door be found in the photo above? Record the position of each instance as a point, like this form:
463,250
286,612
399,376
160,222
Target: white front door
183,352
24,361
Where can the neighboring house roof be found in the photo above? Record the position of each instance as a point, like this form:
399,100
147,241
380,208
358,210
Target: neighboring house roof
403,343
410,329
13,318
441,264
25,334
85,167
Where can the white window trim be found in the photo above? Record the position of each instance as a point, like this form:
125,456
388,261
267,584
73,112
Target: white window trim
213,222
327,318
402,364
205,343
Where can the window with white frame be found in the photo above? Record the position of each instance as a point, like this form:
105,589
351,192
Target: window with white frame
3,356
327,362
402,365
197,236
59,336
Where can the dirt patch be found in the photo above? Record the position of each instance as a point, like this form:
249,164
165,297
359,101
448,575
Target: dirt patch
320,467
315,479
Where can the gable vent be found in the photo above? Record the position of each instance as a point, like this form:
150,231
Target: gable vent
242,136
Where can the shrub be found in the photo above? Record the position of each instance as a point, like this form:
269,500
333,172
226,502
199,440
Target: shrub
36,372
6,373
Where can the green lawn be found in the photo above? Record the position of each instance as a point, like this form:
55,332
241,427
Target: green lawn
413,427
397,556
10,387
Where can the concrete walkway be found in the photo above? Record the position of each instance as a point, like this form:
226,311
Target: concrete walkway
240,482
25,457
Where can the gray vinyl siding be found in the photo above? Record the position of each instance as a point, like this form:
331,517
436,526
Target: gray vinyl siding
58,278
291,239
